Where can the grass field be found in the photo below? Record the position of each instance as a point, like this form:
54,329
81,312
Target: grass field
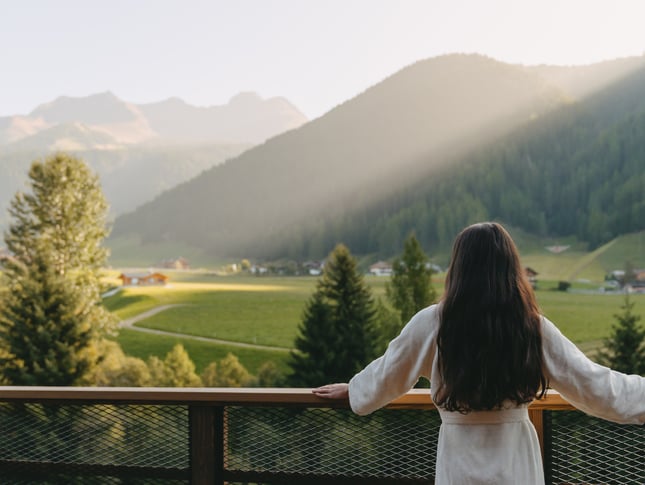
202,353
267,311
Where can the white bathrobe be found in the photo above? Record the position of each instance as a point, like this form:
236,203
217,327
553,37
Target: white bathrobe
494,447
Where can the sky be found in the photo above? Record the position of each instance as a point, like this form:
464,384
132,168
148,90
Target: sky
315,53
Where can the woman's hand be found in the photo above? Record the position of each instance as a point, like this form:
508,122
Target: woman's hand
332,391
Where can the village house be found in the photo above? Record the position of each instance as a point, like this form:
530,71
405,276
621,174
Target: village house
314,268
381,268
637,275
637,285
532,276
257,269
143,279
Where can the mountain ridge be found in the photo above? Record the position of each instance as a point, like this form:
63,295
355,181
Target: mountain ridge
246,118
124,144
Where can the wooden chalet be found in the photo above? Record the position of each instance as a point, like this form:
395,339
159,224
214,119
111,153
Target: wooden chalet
143,279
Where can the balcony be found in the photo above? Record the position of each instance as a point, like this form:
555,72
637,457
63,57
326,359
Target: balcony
269,436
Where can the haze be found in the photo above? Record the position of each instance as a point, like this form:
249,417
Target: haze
316,54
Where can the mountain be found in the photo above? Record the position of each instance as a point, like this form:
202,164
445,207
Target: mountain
69,136
422,119
438,145
246,119
137,150
577,172
581,81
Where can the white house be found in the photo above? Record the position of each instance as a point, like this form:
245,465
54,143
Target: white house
381,268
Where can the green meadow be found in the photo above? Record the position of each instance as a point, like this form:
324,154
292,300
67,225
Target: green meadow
266,311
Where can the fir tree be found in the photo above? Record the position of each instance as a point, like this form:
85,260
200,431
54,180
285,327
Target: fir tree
337,334
410,288
45,327
315,344
624,350
51,318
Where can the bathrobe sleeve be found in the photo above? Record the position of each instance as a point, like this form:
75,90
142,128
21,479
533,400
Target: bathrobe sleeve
408,357
591,387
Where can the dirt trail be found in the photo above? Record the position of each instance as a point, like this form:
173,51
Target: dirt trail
129,323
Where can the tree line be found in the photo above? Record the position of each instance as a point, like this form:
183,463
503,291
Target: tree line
562,177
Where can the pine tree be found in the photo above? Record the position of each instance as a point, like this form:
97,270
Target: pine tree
337,334
51,318
44,328
410,288
311,362
624,350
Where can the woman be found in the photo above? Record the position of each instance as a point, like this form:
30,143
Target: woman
488,353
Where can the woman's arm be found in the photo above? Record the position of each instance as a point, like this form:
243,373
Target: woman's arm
592,388
408,357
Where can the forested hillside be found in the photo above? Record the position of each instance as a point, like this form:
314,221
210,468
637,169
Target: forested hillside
428,115
578,171
424,150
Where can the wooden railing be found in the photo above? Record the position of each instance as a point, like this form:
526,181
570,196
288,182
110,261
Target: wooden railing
209,434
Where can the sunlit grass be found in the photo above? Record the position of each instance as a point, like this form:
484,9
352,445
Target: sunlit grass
201,353
267,311
563,266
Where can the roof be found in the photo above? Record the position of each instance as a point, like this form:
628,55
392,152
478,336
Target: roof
141,275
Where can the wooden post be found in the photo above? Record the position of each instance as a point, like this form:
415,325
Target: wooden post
206,444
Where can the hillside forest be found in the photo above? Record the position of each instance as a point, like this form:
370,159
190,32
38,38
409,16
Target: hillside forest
441,144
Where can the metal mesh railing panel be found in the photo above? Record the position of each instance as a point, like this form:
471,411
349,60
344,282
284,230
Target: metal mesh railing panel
85,437
387,444
586,450
71,479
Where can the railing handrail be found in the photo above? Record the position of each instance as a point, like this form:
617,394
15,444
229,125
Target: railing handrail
414,399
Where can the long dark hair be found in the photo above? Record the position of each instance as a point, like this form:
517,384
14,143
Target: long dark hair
489,341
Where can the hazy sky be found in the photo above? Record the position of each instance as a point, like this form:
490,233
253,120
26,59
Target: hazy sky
316,53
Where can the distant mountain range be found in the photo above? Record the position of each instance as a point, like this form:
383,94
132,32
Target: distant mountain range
103,121
138,150
370,170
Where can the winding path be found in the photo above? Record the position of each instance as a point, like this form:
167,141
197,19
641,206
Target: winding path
129,323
